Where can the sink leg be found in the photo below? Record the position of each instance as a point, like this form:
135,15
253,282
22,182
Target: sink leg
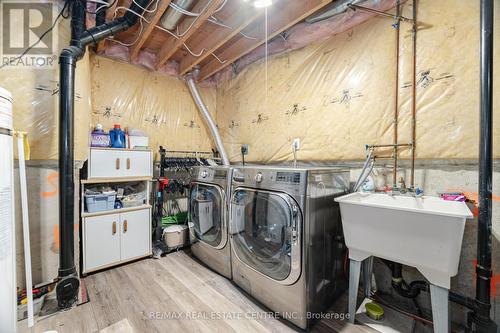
367,276
440,314
354,272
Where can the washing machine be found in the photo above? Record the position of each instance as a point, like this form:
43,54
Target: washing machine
286,238
209,194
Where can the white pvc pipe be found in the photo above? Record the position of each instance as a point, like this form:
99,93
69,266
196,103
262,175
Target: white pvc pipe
26,227
8,299
208,118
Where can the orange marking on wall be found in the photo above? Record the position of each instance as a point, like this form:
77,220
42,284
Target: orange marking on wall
494,282
52,179
55,235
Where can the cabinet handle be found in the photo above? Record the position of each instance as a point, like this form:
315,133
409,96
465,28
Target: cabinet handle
128,163
125,226
117,164
114,228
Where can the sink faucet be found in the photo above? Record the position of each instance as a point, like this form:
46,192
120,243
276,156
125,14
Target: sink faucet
403,190
402,186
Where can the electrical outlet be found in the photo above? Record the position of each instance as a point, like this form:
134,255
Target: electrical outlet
244,149
296,143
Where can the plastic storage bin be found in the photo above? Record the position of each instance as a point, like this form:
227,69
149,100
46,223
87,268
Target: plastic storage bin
100,202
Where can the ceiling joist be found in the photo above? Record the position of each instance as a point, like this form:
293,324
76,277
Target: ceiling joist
149,28
279,19
241,19
187,28
213,35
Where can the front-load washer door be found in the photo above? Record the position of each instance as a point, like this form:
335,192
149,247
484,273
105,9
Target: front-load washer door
265,230
207,210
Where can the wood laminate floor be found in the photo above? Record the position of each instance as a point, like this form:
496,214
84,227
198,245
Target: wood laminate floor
172,294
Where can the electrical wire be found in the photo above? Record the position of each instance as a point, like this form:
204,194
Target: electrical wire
146,9
221,6
216,57
194,21
194,54
183,11
214,20
128,10
141,17
167,31
61,14
107,5
247,36
132,43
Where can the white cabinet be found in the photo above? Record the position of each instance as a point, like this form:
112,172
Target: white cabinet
135,234
102,241
120,163
118,235
111,239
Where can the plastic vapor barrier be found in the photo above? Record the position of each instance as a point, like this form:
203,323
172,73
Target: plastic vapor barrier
338,95
159,105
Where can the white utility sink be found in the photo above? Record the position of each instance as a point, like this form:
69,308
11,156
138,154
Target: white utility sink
424,232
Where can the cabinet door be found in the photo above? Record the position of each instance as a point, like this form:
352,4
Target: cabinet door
136,164
101,241
106,163
135,234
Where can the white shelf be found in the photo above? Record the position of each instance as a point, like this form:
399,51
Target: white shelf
114,180
116,211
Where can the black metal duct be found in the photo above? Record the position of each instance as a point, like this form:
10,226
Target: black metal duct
480,320
68,283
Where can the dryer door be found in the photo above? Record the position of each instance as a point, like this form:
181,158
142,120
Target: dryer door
207,210
266,233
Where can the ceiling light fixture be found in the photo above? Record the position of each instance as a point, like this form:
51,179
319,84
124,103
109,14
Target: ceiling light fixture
262,3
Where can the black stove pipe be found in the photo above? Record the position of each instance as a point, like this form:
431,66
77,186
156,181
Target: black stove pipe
68,283
480,320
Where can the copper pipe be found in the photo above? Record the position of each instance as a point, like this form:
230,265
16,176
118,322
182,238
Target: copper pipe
397,17
396,100
391,145
414,96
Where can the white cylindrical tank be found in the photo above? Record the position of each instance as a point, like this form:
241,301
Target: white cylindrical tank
8,298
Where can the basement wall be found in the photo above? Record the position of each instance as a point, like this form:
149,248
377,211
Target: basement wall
339,95
160,105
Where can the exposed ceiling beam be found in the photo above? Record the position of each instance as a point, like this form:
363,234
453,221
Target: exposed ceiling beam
149,27
188,27
280,19
238,21
110,11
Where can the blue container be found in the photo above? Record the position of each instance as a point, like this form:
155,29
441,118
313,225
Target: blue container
117,137
100,202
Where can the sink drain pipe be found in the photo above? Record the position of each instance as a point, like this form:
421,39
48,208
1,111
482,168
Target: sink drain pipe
68,282
190,77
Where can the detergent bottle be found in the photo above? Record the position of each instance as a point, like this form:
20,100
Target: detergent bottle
117,137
